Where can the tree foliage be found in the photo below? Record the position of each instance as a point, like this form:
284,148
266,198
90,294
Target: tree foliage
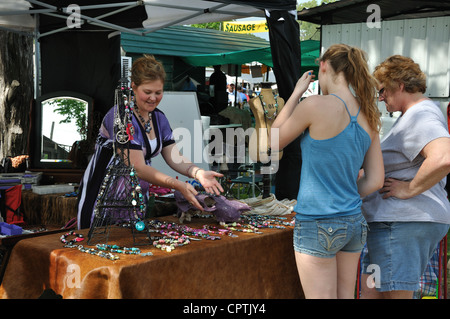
209,25
72,109
308,30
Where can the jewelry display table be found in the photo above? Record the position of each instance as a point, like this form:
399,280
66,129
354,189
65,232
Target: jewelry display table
244,267
7,244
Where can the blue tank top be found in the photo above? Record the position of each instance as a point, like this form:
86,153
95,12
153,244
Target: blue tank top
329,172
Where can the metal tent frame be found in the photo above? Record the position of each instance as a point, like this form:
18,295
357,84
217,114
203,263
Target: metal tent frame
160,13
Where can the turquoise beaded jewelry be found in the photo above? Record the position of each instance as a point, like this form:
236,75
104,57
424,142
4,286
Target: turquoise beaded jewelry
118,249
98,253
266,112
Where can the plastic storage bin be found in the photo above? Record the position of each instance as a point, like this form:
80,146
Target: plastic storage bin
10,229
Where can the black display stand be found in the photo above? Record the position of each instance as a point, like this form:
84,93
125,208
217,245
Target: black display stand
120,200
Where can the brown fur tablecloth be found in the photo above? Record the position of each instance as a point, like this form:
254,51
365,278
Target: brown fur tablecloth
248,266
50,209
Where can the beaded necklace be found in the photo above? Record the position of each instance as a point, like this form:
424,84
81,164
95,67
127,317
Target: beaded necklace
106,251
118,249
164,227
69,243
242,228
125,128
266,112
170,243
262,221
147,124
137,197
98,253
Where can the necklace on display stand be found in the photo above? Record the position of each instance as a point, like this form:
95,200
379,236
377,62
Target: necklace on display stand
120,197
125,128
266,106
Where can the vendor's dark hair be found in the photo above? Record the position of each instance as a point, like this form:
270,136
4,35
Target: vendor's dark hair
147,68
352,62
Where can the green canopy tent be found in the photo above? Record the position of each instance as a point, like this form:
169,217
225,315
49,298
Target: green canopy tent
310,51
206,47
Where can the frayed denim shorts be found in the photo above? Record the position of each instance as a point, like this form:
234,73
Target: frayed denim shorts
400,252
326,237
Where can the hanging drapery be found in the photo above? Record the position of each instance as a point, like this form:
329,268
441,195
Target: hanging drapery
286,55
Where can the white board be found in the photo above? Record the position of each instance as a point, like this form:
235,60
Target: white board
181,108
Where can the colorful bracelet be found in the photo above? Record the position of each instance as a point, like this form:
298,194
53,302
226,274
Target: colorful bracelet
78,237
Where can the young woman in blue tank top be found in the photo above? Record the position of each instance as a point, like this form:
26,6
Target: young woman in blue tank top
340,140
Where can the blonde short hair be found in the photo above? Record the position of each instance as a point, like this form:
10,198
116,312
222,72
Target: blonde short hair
399,69
147,68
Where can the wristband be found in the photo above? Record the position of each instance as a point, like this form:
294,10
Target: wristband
195,175
189,168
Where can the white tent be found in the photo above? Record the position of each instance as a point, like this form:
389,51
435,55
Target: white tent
27,14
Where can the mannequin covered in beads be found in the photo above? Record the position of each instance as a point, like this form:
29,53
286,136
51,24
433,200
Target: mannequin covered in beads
265,108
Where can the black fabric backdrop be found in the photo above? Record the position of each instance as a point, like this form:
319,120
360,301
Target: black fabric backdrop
269,4
84,62
286,55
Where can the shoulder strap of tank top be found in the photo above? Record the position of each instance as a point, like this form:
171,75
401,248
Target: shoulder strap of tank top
351,117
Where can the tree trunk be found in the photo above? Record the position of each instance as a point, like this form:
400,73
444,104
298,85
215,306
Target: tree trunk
16,92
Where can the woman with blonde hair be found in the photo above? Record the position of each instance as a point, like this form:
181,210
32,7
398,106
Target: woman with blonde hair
339,137
411,213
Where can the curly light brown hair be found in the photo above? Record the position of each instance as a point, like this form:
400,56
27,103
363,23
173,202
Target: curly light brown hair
399,69
147,68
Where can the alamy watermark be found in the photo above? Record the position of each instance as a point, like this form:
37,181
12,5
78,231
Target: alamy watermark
73,278
373,281
374,19
74,18
211,145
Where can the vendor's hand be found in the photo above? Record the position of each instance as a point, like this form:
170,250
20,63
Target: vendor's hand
303,83
395,188
189,193
209,181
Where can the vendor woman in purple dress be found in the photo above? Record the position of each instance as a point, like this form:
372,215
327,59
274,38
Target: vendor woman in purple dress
152,136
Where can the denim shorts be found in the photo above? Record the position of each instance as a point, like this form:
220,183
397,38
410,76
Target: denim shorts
400,251
326,237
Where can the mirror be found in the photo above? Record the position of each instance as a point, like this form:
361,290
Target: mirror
62,124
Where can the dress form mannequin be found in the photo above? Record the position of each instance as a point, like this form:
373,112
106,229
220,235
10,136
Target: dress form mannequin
265,108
